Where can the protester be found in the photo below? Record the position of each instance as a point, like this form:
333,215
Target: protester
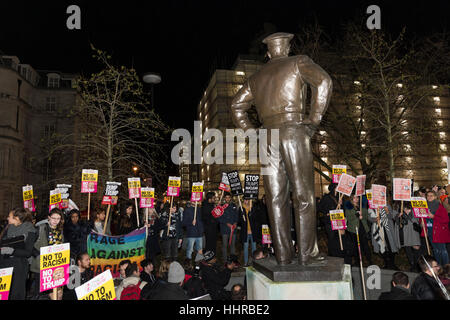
172,290
210,224
425,287
147,272
194,230
155,225
399,288
356,218
249,228
194,286
215,278
327,203
409,235
385,240
120,275
171,235
50,232
130,288
97,222
164,269
83,264
16,242
238,292
228,223
444,275
127,221
76,232
438,233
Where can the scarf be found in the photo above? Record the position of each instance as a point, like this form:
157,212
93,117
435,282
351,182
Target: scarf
379,233
22,229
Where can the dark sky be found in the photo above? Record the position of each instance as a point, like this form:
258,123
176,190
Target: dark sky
180,39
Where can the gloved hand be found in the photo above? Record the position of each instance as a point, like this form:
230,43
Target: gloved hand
7,250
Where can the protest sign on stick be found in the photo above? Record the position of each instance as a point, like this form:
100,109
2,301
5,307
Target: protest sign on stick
196,196
110,198
361,265
99,288
402,191
5,282
55,199
28,197
337,171
360,187
65,194
224,185
337,219
89,180
236,187
54,267
345,186
147,201
134,192
173,190
421,211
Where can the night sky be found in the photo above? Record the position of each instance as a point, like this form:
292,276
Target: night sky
182,40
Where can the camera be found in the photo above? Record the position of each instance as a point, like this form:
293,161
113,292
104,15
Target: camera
196,272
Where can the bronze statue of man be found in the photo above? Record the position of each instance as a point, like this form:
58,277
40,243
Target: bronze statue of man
278,90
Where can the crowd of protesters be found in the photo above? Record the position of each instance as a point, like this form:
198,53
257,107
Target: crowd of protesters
171,273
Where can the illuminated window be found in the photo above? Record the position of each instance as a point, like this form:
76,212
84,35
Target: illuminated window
442,135
444,158
322,132
240,73
323,146
443,147
400,97
436,99
440,122
206,117
399,85
438,111
363,132
326,173
363,145
407,147
434,87
405,132
357,83
408,159
358,107
324,159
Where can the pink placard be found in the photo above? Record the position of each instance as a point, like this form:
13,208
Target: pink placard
378,196
196,196
134,193
173,191
54,277
338,225
146,203
29,204
346,184
360,185
402,189
88,186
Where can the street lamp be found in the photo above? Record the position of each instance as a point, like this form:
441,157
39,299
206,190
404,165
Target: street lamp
135,169
152,78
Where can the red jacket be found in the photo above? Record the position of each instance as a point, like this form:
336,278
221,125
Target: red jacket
441,232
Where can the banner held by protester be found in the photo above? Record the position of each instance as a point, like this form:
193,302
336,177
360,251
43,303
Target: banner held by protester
5,282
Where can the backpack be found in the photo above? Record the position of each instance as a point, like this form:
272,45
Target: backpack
132,292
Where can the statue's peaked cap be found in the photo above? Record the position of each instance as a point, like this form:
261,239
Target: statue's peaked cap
277,35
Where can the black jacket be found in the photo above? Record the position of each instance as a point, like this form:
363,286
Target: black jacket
207,217
215,280
127,224
254,225
327,203
397,293
426,288
76,235
161,290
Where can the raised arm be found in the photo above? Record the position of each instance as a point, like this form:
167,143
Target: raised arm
242,101
321,88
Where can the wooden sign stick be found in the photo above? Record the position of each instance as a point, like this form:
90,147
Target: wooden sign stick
89,204
170,215
240,205
195,214
55,294
339,231
137,211
401,212
221,196
426,236
363,281
106,219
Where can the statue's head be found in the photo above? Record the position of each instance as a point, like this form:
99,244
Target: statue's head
278,44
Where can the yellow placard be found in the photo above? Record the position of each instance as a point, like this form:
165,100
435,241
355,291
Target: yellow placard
419,204
27,195
197,188
174,183
89,177
134,184
337,216
369,195
339,170
147,194
55,198
5,284
55,259
103,292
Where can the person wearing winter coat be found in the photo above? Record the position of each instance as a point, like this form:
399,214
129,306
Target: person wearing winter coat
438,233
155,226
425,287
399,288
16,242
50,232
327,203
76,232
214,277
228,224
385,238
127,221
97,222
356,218
409,235
171,236
210,223
249,228
132,279
194,230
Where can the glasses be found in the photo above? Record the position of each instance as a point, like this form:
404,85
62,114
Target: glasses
55,219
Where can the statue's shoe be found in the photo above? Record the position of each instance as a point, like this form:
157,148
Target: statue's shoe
309,260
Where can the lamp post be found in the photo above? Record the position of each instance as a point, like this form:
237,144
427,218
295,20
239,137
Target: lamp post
152,78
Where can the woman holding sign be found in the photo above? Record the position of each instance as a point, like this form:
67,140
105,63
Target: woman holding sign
50,232
171,235
16,242
127,222
356,218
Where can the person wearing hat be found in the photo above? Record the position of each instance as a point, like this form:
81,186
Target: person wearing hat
329,202
214,278
172,290
278,90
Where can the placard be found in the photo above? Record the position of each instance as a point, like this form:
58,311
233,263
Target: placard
420,207
65,194
5,282
402,189
266,237
54,266
224,184
173,186
147,198
337,218
99,288
197,192
378,196
89,179
369,199
55,199
360,185
111,196
28,197
346,184
448,170
235,183
134,188
251,186
337,171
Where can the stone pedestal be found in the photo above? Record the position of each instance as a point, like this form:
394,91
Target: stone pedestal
327,280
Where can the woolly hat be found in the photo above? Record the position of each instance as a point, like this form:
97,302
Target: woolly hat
176,273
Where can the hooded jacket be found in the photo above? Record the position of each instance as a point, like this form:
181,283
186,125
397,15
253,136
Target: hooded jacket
42,241
193,231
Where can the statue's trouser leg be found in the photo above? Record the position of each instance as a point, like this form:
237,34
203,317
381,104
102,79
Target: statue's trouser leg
276,186
298,162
